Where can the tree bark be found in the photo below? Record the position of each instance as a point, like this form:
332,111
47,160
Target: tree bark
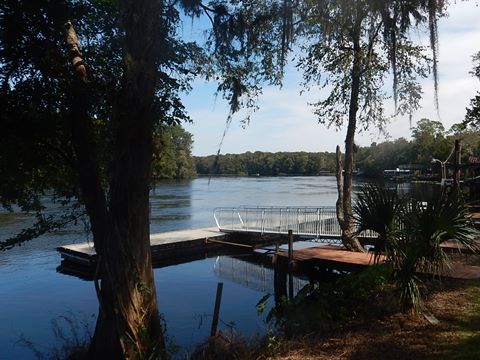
129,326
86,161
349,238
339,176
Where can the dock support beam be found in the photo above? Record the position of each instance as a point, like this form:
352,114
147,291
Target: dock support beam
290,245
216,311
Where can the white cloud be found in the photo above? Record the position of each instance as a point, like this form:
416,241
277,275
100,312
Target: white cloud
286,123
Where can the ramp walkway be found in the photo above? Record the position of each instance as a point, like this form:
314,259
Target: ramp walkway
308,222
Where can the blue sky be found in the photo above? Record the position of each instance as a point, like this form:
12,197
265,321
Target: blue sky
285,122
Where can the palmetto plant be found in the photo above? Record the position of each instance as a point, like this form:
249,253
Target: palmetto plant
379,209
411,233
424,228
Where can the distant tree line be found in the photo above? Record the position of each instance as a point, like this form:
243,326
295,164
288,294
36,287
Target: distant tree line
429,140
173,156
266,164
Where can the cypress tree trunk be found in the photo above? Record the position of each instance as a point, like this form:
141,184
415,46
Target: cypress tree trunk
339,176
128,325
344,203
84,148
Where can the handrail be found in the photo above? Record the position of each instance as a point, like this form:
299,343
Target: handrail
315,222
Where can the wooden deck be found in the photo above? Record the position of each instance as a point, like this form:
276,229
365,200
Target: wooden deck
455,246
340,259
461,271
332,257
185,240
474,216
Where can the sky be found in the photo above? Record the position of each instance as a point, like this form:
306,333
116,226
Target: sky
285,121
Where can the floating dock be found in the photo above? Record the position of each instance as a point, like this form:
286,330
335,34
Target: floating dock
245,228
162,243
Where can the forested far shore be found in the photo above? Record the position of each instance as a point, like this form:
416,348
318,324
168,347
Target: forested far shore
429,141
266,164
173,156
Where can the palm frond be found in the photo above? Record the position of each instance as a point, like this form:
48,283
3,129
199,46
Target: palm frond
411,233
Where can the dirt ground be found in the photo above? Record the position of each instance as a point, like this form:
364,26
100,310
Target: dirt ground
454,303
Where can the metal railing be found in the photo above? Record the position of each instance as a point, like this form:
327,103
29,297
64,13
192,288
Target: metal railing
314,222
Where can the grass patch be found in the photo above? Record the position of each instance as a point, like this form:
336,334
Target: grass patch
7,216
460,309
381,335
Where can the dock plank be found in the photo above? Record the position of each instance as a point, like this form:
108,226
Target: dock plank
334,255
462,271
356,259
172,237
85,252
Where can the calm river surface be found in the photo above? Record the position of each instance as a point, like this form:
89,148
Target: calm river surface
33,294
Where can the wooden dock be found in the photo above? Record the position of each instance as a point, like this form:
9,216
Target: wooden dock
161,243
174,246
456,246
337,258
332,257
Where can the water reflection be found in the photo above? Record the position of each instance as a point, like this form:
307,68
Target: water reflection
32,292
170,205
420,191
254,272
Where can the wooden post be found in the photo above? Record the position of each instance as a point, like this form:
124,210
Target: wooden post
275,256
290,246
290,286
456,164
280,280
216,311
290,264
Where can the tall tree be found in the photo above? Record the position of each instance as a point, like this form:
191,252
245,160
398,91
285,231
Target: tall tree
472,118
374,159
172,158
129,321
85,124
349,47
429,141
352,48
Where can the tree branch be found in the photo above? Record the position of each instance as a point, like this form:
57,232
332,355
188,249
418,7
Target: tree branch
73,46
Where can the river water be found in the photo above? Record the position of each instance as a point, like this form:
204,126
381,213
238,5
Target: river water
34,296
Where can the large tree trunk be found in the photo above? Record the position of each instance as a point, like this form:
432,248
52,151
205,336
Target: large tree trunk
339,176
129,325
84,148
344,203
